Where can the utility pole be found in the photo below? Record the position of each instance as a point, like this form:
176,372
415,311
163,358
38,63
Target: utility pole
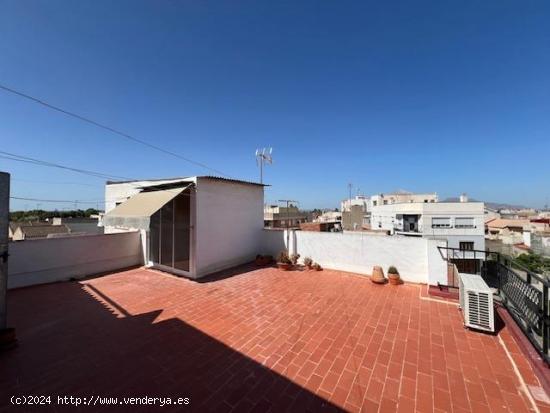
7,335
288,201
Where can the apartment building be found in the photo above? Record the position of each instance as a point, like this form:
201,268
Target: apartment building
366,203
401,197
461,224
282,217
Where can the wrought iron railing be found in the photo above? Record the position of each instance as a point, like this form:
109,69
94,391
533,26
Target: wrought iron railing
523,293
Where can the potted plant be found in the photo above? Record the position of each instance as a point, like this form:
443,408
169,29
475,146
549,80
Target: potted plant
294,258
378,275
283,261
393,276
317,267
308,262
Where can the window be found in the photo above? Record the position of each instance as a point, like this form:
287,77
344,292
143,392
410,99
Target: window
374,203
464,222
385,202
466,245
441,222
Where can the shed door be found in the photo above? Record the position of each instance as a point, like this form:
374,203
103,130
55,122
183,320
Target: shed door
170,234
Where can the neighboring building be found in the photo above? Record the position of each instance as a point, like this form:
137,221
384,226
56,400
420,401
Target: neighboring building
359,200
34,231
400,197
353,219
461,224
320,226
189,226
355,212
508,231
330,216
367,203
282,217
540,243
520,248
80,225
539,224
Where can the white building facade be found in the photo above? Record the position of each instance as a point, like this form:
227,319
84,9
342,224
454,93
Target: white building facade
461,224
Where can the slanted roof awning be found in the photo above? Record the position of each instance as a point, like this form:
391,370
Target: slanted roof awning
135,213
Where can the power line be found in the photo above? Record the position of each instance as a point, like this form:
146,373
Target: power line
26,159
110,129
61,201
75,201
53,183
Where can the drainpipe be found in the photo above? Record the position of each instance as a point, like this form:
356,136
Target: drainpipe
7,335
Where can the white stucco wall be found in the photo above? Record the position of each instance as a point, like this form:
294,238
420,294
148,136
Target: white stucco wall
59,259
437,265
229,224
417,259
273,242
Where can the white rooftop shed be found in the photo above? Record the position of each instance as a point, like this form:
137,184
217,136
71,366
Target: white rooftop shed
190,226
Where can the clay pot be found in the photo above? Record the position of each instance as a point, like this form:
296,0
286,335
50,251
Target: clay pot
308,267
378,275
394,279
283,266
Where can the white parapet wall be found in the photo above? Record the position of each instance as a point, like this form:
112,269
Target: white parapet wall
59,259
417,259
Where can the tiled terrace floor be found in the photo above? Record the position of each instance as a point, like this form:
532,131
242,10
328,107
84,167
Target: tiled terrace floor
260,340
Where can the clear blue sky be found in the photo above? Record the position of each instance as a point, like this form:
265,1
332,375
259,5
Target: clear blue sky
425,96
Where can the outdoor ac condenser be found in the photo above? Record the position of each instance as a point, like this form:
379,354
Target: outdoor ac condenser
476,302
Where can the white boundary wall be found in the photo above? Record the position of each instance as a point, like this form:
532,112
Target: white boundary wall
417,259
59,259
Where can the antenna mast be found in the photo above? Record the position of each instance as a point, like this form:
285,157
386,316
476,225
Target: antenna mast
263,156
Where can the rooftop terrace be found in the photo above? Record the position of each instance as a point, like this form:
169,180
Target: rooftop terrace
261,340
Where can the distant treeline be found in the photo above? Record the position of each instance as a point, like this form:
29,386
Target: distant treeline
41,215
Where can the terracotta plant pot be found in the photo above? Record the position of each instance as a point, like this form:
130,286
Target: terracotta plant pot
308,267
394,279
283,266
377,276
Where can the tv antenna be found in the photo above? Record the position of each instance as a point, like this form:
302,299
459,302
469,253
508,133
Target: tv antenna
263,156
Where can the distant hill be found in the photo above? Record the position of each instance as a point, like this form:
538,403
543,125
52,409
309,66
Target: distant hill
491,205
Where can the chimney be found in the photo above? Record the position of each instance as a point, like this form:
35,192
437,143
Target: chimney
464,198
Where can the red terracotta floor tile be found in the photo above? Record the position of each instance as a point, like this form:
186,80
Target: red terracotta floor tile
257,340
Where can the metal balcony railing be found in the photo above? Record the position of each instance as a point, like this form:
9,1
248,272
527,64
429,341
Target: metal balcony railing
523,293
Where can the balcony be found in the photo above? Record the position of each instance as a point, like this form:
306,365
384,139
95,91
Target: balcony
258,339
403,231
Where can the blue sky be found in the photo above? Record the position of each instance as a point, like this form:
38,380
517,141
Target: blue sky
426,96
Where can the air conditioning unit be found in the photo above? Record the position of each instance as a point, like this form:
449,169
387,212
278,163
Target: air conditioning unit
476,302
